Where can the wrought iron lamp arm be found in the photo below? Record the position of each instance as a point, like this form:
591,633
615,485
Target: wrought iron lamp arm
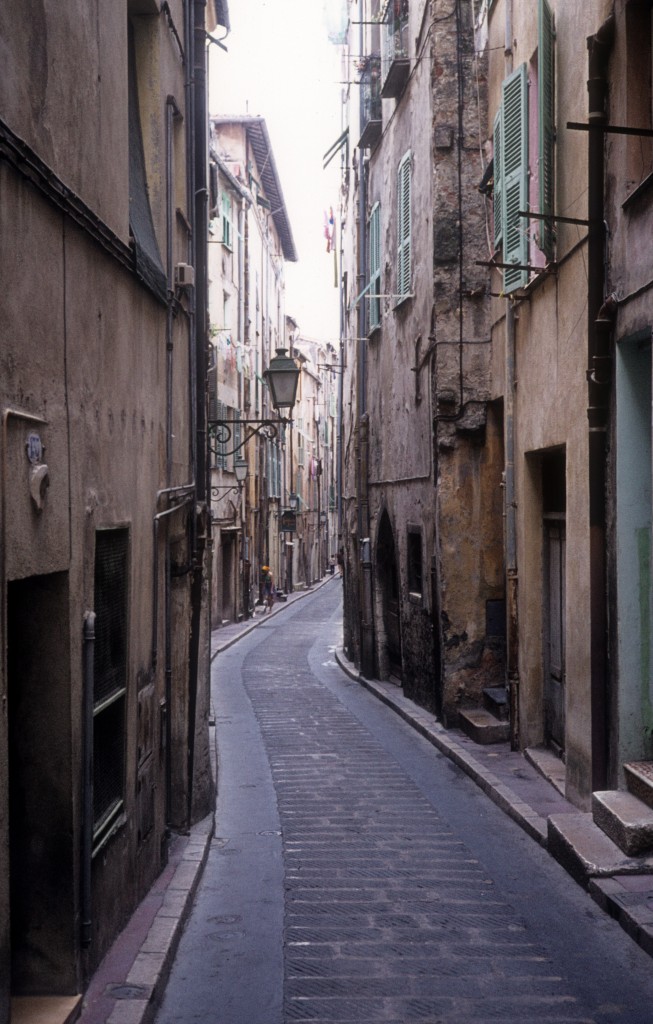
221,433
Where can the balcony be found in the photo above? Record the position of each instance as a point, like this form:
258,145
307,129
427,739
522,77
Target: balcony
370,83
395,63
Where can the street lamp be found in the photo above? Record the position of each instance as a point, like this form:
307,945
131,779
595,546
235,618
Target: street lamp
282,377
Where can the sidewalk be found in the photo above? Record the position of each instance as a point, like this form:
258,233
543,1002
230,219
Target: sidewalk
129,983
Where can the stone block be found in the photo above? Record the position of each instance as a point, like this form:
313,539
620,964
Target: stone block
625,819
482,727
585,851
639,779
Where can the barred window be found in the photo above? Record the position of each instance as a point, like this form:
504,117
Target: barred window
109,680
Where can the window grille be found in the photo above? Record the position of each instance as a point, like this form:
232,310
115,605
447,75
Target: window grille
109,678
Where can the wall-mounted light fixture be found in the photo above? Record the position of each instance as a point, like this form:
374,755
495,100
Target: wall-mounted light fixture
282,377
240,472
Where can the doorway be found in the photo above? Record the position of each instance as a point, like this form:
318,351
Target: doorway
388,584
42,848
554,598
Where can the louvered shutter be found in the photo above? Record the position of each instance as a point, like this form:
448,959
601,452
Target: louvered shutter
375,266
497,191
546,122
404,228
515,177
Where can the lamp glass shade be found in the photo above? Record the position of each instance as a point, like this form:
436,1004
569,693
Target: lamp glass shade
282,377
240,469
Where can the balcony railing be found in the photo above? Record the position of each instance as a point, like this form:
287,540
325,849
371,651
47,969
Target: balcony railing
370,82
395,64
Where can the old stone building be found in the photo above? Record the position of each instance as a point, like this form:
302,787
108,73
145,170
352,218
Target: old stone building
104,681
250,240
422,437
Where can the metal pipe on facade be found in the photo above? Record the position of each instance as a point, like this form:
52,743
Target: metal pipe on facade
512,575
201,470
599,385
87,775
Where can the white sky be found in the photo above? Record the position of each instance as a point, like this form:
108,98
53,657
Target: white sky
281,66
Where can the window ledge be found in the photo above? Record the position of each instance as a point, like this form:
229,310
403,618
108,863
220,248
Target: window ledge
414,597
403,300
644,186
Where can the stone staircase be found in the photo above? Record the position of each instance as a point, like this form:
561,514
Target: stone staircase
616,838
626,817
487,724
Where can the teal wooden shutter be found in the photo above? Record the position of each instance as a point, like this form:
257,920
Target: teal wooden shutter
404,228
546,102
375,266
515,177
497,190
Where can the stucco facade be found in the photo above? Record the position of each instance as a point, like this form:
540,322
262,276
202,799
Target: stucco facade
421,441
103,733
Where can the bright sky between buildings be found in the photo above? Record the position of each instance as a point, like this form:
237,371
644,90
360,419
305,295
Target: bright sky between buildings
280,65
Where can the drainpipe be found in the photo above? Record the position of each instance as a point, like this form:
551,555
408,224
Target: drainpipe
87,775
197,61
512,576
366,604
598,390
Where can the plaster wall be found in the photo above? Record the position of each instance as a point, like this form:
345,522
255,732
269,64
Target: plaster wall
84,349
550,393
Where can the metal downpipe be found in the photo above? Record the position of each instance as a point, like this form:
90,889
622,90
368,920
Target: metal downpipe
599,374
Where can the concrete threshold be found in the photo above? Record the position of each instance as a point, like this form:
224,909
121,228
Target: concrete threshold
45,1009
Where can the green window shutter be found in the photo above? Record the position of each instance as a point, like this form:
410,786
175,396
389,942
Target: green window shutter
404,227
546,99
515,177
226,219
375,266
497,191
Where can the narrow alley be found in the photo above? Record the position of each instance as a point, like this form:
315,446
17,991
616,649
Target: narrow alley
356,874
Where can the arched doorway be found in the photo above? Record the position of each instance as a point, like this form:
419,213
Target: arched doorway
387,586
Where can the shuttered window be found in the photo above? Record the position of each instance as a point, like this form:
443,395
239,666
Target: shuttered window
546,112
404,227
375,266
498,181
514,191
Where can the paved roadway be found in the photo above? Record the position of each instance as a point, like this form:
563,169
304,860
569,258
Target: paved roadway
358,875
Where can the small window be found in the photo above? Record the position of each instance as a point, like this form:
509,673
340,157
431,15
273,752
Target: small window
415,560
404,264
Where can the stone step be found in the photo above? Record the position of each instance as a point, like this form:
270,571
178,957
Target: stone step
586,852
45,1009
625,819
482,726
495,699
639,779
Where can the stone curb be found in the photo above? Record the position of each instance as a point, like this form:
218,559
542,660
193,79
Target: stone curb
151,968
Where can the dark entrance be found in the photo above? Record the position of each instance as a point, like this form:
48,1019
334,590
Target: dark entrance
554,598
42,900
388,578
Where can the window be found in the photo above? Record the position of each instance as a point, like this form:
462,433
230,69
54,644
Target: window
375,267
227,238
109,681
404,227
415,560
524,178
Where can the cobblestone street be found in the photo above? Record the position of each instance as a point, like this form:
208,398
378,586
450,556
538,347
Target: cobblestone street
357,875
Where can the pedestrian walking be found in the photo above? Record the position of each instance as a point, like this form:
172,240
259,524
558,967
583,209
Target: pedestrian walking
268,589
